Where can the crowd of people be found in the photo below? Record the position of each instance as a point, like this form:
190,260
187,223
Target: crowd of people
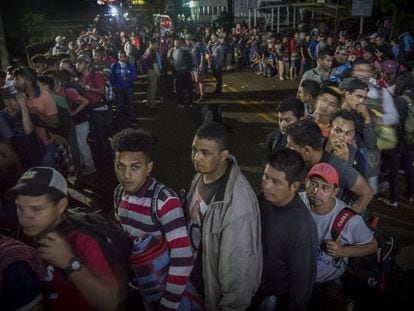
221,247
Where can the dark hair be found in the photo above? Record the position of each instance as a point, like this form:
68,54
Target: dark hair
343,114
326,52
290,162
134,140
153,40
9,92
292,104
214,131
47,80
331,91
306,133
361,61
28,74
311,87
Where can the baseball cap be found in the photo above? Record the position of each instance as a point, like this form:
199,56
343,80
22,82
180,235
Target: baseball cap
83,58
326,171
388,66
40,180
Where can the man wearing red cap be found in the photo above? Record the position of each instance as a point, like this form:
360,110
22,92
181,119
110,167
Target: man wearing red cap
355,239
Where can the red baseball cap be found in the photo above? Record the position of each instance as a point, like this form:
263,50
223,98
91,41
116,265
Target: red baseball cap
326,171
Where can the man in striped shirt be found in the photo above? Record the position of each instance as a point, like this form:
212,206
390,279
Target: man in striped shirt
133,165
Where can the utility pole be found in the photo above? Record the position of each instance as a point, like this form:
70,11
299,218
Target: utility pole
4,54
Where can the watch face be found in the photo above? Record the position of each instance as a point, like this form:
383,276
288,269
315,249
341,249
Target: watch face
76,265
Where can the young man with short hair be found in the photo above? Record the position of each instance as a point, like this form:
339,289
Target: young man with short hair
78,276
100,116
289,235
307,93
327,103
306,138
43,106
322,71
133,166
289,111
355,239
224,224
123,75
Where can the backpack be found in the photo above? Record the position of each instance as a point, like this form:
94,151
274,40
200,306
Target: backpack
158,187
367,274
408,128
113,240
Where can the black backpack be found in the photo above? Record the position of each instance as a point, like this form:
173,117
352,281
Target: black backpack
112,239
369,274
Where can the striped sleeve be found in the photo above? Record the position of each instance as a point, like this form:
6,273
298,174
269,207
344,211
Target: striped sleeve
181,257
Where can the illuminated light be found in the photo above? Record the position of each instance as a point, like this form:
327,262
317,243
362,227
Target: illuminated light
114,11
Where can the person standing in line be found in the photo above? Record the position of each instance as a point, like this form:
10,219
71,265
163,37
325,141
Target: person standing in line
223,223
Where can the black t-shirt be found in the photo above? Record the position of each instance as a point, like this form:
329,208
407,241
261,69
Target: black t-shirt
203,194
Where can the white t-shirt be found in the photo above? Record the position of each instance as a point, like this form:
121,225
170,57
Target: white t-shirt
355,232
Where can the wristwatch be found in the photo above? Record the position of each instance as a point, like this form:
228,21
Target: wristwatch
74,266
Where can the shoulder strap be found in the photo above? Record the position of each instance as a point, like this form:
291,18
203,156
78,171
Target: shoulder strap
119,192
341,220
158,187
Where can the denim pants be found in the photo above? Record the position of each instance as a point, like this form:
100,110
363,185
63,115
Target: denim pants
126,109
218,74
82,131
100,123
152,87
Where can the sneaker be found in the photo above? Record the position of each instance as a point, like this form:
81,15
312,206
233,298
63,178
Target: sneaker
388,202
181,106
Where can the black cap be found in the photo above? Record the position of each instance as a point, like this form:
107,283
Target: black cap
40,180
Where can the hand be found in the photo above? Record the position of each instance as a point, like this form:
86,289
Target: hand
56,250
341,150
21,100
364,111
334,248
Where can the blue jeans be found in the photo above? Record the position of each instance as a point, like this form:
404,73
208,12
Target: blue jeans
126,109
218,74
100,123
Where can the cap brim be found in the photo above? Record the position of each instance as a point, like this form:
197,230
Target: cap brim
26,189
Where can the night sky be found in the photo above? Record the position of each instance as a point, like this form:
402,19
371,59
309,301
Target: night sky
51,8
